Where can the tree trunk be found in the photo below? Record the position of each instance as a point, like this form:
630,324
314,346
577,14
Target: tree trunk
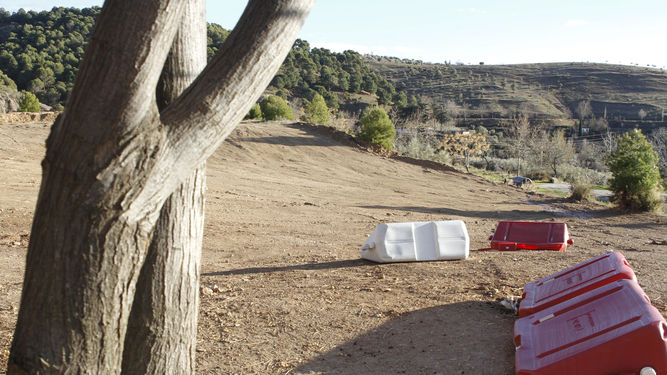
162,328
113,159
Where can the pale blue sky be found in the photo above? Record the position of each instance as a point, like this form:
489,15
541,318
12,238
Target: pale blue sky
493,31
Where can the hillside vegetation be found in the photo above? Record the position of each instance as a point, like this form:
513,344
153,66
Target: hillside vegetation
41,52
623,95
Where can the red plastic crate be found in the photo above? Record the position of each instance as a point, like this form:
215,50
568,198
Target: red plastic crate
528,235
609,330
573,281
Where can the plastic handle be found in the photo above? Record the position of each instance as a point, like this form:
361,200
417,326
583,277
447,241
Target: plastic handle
368,246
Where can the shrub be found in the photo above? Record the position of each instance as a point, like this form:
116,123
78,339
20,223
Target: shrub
538,175
420,146
316,111
255,113
635,176
29,103
276,108
580,192
573,174
282,93
376,127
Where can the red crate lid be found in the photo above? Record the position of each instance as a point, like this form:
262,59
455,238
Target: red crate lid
608,330
574,281
528,235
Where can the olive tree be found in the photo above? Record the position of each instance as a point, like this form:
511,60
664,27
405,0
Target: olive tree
125,154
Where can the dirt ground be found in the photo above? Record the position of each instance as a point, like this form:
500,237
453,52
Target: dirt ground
288,207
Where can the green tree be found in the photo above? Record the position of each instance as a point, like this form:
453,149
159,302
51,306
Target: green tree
400,100
255,113
635,176
376,127
276,108
28,103
6,83
316,111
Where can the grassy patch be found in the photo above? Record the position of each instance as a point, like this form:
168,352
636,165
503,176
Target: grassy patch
556,193
489,175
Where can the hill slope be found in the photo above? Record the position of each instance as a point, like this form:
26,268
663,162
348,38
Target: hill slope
545,91
288,206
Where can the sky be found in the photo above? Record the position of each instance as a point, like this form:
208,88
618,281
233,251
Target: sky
469,31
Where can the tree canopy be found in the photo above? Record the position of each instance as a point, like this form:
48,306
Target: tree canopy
276,108
376,127
28,103
635,175
316,111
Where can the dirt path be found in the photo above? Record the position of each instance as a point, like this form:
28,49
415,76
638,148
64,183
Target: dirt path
288,207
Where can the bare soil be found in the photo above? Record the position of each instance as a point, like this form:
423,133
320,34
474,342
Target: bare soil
288,206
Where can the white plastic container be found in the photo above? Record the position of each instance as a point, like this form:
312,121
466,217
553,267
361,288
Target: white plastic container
417,241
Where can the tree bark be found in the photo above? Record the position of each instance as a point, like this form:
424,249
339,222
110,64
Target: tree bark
162,328
112,160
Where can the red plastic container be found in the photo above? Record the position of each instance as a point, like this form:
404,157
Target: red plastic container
574,281
527,235
609,330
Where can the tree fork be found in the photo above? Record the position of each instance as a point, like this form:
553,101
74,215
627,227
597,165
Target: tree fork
113,159
162,328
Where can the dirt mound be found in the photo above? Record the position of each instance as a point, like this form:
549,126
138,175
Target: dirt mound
288,206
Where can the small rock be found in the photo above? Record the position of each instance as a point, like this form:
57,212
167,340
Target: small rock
206,291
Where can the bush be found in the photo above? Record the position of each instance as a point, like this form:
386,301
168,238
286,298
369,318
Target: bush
574,174
538,175
282,93
29,103
635,176
255,113
580,192
420,146
276,108
376,127
316,111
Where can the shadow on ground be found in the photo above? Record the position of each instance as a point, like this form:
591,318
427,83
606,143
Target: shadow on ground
506,215
307,267
472,337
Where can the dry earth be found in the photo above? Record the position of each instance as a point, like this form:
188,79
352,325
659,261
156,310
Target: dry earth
289,205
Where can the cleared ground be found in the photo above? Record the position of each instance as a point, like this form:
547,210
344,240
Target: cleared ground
289,205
